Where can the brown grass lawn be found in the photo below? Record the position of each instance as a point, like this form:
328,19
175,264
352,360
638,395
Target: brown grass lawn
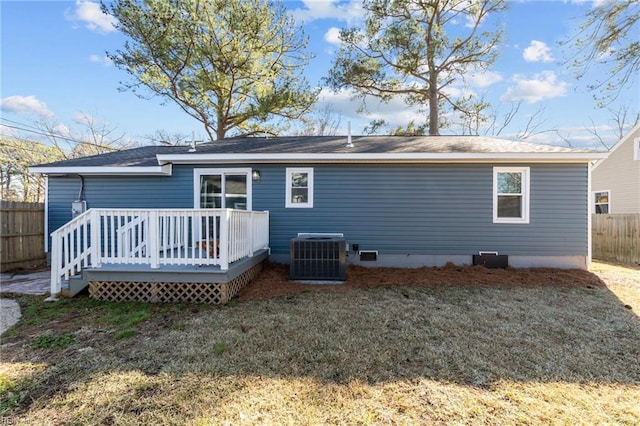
431,346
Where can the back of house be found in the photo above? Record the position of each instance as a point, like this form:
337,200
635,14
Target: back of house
397,201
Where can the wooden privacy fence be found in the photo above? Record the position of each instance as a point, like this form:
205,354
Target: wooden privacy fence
616,237
21,234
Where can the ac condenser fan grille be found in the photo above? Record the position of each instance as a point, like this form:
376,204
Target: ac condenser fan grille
318,259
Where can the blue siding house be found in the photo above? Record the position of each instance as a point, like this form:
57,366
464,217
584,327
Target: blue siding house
415,201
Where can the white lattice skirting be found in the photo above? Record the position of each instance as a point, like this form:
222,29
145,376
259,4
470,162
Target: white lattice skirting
167,292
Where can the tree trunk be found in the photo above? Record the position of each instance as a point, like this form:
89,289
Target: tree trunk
433,104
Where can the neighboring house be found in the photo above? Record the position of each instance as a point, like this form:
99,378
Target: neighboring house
416,201
615,180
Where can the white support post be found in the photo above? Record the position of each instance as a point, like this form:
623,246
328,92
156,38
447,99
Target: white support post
95,239
56,283
252,232
266,232
154,240
224,239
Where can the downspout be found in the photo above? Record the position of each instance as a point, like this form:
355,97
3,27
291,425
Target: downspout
46,217
81,188
589,236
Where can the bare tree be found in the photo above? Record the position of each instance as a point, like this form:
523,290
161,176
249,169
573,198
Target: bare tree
91,137
622,120
164,137
320,122
16,156
609,36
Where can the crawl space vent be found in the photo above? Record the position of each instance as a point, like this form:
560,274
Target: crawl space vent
368,255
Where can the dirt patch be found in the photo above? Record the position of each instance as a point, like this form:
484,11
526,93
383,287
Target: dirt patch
274,279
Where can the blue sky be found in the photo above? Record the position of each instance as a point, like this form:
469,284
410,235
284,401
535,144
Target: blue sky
54,69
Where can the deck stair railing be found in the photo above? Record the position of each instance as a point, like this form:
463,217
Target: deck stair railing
155,237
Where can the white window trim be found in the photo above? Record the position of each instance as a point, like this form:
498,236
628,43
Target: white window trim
526,175
287,201
197,173
636,149
593,201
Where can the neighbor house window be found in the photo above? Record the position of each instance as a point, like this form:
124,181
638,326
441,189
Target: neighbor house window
511,194
299,188
601,202
636,149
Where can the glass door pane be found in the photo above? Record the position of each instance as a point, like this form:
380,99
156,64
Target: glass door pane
235,190
211,191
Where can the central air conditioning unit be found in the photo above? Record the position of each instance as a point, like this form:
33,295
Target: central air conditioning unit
318,257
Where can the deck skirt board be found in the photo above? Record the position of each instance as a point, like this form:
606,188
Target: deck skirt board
173,284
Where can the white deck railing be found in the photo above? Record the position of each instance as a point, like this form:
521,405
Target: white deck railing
155,237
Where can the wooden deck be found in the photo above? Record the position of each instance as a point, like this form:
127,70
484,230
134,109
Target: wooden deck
159,254
169,283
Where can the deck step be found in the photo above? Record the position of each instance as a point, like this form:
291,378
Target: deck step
77,283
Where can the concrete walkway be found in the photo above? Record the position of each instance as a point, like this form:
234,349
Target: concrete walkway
9,314
35,283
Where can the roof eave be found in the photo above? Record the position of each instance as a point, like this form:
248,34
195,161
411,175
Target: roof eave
556,157
161,170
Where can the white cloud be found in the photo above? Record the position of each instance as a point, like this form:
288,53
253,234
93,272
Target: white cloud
394,112
542,86
61,130
25,105
332,36
83,118
8,131
349,12
485,79
537,51
594,3
90,14
104,60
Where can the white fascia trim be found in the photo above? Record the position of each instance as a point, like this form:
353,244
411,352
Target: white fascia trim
46,214
163,170
560,157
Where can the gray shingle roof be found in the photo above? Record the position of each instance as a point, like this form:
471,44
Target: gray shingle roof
139,157
146,156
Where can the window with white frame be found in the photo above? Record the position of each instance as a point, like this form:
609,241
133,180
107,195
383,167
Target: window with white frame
511,194
636,149
222,188
601,200
299,190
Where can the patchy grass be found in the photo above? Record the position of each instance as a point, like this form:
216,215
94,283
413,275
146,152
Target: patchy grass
15,380
456,352
50,341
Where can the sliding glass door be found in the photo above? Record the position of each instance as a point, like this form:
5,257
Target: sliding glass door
222,189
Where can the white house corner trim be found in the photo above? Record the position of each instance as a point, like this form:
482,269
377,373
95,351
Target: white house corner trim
46,214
